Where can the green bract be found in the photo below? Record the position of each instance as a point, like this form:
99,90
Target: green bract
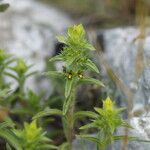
106,120
76,51
33,138
21,67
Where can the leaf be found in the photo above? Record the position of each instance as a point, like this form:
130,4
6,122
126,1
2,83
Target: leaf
10,61
89,138
99,110
6,124
11,138
140,140
3,7
81,114
8,147
61,39
125,124
90,47
64,146
91,66
31,74
56,58
4,93
54,74
48,112
21,111
123,137
87,126
68,87
91,81
11,75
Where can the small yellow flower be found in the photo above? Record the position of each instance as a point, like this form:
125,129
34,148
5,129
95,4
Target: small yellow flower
69,76
108,104
80,76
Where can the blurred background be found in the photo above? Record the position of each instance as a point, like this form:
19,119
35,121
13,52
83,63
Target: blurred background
118,29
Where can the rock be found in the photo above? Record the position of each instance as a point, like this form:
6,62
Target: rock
120,51
28,29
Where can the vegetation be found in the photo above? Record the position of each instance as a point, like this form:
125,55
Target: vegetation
24,115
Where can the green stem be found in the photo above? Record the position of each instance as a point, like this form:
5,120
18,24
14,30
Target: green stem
68,119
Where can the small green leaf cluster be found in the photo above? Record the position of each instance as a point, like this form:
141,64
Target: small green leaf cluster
33,137
5,61
6,132
106,120
21,72
75,53
32,104
30,137
76,57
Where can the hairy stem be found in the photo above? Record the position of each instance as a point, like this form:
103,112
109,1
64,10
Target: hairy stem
68,119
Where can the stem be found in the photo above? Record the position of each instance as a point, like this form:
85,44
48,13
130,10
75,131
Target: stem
100,147
68,119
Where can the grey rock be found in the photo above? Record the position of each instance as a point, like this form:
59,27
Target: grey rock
120,50
28,29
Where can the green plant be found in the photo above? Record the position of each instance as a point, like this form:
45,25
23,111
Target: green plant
106,120
75,55
6,132
32,103
21,73
5,61
33,138
77,63
29,138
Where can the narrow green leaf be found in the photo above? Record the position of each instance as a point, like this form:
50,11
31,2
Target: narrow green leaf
21,111
90,47
54,74
125,124
31,74
4,93
64,146
3,7
87,126
131,138
89,138
6,124
121,109
81,114
91,81
99,110
48,112
56,58
10,61
11,138
61,39
123,137
8,147
11,75
140,140
68,87
91,66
